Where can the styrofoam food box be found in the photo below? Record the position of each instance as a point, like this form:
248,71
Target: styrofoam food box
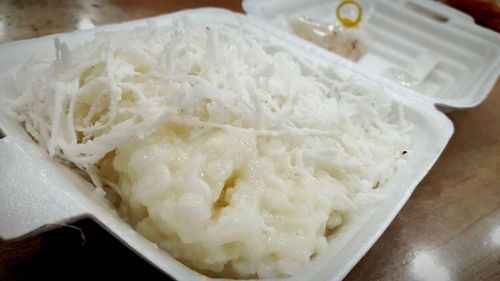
461,60
37,192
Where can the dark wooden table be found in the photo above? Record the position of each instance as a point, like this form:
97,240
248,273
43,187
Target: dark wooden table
448,230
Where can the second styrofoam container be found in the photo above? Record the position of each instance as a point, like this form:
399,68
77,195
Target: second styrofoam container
463,58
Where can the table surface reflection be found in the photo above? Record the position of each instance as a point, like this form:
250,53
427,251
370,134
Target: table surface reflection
448,230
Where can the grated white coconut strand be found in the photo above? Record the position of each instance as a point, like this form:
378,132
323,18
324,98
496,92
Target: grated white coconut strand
232,155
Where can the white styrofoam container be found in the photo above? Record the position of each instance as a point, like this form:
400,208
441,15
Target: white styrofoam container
407,32
37,191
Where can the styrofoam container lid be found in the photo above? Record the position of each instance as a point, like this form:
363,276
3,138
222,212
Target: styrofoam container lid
36,190
459,59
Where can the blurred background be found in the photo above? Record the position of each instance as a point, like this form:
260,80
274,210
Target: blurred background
484,12
24,19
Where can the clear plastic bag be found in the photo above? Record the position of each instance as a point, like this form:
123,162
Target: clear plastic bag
345,36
